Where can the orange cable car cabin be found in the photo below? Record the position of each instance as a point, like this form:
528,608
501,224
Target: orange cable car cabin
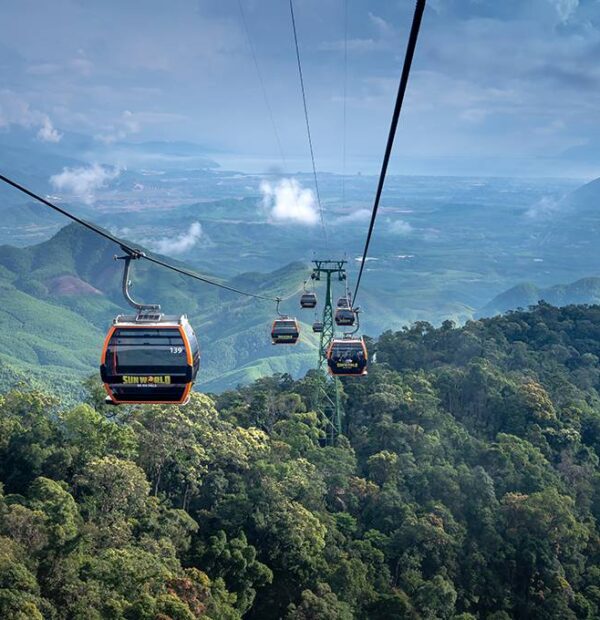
347,357
149,359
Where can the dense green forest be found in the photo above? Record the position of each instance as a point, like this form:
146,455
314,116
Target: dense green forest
467,485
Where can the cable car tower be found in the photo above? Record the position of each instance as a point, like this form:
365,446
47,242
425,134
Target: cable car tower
328,400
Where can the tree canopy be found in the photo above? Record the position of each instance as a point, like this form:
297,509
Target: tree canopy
466,485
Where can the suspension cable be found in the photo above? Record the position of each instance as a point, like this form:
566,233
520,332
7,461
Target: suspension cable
310,144
128,248
262,84
345,103
410,50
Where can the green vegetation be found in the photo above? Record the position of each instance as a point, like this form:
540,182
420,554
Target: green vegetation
467,486
58,298
448,260
584,291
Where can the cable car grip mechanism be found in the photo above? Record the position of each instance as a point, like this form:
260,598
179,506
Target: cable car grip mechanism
129,256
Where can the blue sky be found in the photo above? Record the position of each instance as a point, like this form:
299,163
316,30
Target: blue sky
498,85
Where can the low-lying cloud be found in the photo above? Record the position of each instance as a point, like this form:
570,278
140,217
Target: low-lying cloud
400,227
128,123
565,8
356,217
83,182
544,208
14,110
180,243
47,132
287,201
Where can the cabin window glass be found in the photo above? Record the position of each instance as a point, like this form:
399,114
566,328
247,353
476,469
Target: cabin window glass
191,336
286,325
140,350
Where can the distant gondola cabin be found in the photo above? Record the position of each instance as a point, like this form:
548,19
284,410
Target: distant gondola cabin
285,331
308,300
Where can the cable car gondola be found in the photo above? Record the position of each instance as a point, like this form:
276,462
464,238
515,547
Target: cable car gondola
317,327
308,300
347,357
285,330
344,317
150,358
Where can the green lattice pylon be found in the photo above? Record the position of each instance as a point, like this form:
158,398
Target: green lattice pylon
328,397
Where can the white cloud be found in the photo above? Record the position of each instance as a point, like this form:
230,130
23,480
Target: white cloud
552,128
14,110
359,259
565,8
384,40
288,201
179,244
83,182
128,123
400,227
384,28
474,115
353,45
360,215
546,207
48,133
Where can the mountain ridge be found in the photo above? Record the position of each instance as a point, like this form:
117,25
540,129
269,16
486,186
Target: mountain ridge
66,290
525,294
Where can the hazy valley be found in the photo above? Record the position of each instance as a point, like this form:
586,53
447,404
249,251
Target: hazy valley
444,248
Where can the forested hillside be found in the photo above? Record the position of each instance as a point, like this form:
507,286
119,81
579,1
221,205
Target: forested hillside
59,297
467,486
584,291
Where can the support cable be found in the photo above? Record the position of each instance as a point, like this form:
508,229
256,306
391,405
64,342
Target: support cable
410,51
310,144
128,248
262,85
345,103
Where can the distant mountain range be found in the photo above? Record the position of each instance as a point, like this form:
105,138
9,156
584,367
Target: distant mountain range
443,248
584,291
58,298
569,223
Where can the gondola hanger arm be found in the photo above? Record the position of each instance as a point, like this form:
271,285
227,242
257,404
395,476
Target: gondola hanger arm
126,283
